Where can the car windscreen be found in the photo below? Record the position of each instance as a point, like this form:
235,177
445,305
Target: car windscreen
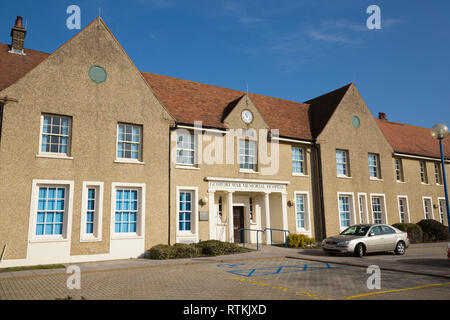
355,231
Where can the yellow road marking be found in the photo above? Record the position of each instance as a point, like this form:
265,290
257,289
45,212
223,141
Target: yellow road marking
279,287
398,290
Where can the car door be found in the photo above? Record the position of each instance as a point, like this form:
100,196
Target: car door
375,239
389,238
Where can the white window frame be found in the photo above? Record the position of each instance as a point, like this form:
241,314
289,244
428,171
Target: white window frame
139,160
399,170
191,235
192,135
378,166
366,209
307,216
140,220
346,164
407,214
384,217
438,173
98,216
352,209
302,162
68,205
423,172
444,209
251,141
431,207
56,155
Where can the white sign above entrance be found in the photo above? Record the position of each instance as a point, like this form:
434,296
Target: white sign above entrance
216,184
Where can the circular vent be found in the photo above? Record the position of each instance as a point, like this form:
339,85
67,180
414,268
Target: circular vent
355,122
97,74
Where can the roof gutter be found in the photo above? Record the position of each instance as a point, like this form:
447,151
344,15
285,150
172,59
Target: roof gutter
413,156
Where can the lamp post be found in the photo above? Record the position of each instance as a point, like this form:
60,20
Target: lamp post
440,131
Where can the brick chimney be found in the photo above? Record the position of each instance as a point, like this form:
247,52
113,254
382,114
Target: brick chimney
18,33
382,116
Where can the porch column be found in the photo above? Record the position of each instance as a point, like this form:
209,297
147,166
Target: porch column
267,212
284,208
230,217
212,216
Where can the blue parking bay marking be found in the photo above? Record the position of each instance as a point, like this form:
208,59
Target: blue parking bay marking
283,269
227,265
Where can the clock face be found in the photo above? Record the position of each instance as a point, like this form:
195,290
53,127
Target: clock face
247,116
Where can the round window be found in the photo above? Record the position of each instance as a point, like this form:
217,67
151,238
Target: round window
97,74
355,122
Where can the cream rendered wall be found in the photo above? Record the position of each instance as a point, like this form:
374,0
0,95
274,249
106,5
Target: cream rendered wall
60,85
196,176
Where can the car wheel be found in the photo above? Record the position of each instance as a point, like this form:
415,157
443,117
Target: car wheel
400,248
360,250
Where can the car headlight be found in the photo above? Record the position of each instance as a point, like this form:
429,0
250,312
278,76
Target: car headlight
343,244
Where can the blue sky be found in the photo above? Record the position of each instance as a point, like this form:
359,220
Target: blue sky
289,49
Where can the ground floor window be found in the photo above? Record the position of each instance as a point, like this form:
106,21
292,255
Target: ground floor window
362,208
126,213
344,211
51,210
377,209
427,208
300,210
403,209
442,210
91,211
185,211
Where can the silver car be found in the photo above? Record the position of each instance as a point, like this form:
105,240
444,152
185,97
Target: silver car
363,238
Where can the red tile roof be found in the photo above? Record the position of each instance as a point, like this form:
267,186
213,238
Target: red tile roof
413,140
15,66
189,101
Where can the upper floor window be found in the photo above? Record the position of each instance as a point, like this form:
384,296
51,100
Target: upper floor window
185,148
399,170
298,160
55,134
438,172
247,154
129,142
374,166
423,172
342,163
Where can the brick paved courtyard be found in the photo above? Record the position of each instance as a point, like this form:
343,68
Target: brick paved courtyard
253,279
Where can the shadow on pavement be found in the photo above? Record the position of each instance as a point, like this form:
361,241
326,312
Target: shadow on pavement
437,262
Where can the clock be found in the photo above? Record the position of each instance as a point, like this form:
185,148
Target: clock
247,116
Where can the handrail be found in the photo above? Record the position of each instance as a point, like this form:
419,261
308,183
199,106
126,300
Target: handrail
257,238
282,230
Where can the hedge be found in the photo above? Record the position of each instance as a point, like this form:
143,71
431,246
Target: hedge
203,248
433,230
299,241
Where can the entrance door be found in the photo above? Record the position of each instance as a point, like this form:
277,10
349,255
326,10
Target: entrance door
238,223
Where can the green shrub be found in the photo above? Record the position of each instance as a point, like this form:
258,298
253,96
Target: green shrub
217,248
433,230
181,250
299,241
415,233
159,252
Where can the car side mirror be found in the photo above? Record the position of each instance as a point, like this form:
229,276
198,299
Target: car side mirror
371,234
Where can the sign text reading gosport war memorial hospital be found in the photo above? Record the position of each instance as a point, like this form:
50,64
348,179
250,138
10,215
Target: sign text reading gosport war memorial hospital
246,186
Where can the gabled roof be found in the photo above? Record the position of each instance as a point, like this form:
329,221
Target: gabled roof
15,66
322,108
412,140
189,101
